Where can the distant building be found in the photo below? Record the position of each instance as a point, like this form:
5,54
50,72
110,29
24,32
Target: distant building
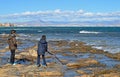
0,24
6,24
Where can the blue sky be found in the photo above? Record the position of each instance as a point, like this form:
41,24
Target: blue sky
17,6
59,10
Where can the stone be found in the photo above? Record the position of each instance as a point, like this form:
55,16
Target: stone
80,72
82,63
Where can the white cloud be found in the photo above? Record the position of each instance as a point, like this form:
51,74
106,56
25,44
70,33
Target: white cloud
59,15
57,11
88,14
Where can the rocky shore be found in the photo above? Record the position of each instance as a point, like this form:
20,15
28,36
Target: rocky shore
79,60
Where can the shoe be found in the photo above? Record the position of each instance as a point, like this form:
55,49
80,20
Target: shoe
39,65
44,66
14,63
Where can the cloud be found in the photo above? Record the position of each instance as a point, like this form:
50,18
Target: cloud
60,15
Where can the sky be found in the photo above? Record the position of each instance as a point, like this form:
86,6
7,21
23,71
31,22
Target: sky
18,6
59,10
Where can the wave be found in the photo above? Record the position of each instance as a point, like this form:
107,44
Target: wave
3,34
39,31
93,32
23,35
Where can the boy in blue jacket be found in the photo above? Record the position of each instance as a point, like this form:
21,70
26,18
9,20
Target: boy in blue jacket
42,48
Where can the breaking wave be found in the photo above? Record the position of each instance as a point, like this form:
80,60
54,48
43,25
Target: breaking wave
93,32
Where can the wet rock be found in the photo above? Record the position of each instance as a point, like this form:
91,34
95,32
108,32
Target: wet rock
114,56
117,66
56,51
94,69
76,43
88,61
74,65
33,53
87,75
107,73
64,61
30,71
54,69
28,54
5,49
48,56
51,73
5,35
59,43
51,64
81,72
82,63
42,74
110,75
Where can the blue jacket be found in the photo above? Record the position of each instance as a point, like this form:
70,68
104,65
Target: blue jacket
42,47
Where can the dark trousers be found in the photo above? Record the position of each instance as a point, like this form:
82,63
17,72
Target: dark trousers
38,60
12,57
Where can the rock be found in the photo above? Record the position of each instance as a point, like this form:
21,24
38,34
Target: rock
30,71
82,63
87,75
51,63
117,66
48,56
5,49
5,35
113,72
114,56
33,53
81,72
59,43
74,65
51,73
27,54
110,75
55,69
42,74
89,61
64,61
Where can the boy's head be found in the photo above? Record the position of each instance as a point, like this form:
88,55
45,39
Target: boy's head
13,31
43,37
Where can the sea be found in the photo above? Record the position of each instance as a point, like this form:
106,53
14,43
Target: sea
105,38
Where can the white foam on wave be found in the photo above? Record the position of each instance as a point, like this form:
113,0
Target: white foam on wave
57,34
108,48
23,35
93,32
40,31
3,34
98,47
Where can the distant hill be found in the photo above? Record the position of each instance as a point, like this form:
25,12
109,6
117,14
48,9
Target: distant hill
69,23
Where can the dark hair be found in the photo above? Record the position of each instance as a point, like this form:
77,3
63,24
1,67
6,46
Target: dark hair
13,31
43,37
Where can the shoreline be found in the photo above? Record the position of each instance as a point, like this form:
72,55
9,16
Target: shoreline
80,59
75,46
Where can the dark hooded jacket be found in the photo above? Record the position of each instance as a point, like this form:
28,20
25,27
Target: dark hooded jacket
42,47
12,42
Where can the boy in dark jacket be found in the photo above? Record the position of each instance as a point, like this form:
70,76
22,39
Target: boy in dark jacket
42,48
12,45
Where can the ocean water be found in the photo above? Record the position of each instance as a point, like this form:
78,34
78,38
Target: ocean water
106,38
